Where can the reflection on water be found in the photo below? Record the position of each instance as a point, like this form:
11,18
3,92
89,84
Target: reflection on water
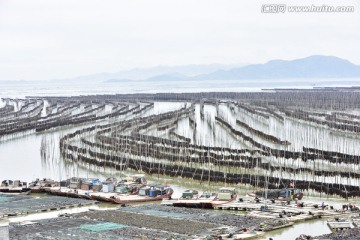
313,228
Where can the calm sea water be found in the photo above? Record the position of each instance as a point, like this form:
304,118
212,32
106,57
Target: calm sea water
54,88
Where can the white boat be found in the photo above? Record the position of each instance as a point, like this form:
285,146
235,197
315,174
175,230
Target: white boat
208,200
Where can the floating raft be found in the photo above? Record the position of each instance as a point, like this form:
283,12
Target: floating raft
339,225
278,210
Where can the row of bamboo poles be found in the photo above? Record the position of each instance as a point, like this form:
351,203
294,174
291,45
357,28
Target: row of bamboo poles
257,155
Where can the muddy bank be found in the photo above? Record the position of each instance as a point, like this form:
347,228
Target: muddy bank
81,228
181,226
16,205
348,234
206,216
184,221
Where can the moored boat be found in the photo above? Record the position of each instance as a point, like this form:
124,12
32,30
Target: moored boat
65,192
149,193
127,190
208,200
16,187
280,194
195,202
39,185
226,195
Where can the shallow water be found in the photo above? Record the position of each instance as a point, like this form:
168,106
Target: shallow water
312,227
53,88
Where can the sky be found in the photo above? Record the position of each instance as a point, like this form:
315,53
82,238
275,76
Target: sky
48,39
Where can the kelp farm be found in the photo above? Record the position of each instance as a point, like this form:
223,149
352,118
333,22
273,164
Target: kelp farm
261,140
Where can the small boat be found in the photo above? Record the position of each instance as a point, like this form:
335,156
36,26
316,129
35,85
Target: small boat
16,187
189,194
15,191
127,192
208,200
226,195
187,198
39,185
280,194
132,189
195,202
65,192
149,193
100,198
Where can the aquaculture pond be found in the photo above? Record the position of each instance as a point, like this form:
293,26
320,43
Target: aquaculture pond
190,140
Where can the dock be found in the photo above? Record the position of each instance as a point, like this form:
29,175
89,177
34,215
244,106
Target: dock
291,212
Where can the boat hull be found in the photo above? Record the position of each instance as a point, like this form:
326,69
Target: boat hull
117,199
275,194
9,191
125,200
67,194
199,203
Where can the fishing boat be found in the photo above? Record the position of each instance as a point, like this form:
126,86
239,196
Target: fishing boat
39,185
225,195
189,194
155,192
207,199
280,194
66,192
16,187
195,201
129,190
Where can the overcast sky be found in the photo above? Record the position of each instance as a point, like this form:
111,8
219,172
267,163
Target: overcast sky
46,39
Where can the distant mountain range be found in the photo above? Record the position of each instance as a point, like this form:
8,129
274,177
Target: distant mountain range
310,67
316,66
155,73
